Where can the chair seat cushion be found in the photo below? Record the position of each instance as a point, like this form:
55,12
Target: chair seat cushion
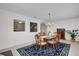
51,42
42,43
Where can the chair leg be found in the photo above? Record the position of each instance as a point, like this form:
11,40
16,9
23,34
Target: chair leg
57,45
46,45
37,46
40,46
53,46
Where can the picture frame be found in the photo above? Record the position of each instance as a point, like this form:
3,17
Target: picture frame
18,25
33,27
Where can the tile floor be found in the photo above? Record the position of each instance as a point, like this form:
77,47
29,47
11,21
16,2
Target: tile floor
73,49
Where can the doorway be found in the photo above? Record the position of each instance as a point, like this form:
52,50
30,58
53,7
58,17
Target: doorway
61,32
43,27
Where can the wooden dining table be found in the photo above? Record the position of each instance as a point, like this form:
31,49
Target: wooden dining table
52,42
42,37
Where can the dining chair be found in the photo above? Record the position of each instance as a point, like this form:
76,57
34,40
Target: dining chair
40,42
57,41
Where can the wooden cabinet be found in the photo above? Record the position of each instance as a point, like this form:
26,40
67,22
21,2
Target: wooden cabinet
61,32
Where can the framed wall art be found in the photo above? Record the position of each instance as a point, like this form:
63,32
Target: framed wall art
18,25
33,27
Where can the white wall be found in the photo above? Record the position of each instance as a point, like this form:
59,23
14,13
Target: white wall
8,38
68,24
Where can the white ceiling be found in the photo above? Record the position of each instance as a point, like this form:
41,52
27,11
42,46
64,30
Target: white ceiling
58,11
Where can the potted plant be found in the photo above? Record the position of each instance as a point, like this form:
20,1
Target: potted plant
73,34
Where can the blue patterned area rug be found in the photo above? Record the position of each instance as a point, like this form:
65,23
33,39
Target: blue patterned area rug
31,50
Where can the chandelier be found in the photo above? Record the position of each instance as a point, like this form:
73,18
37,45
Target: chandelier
50,23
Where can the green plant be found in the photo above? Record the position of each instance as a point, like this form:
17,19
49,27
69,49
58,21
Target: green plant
73,33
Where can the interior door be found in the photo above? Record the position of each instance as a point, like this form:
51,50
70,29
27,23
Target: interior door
61,32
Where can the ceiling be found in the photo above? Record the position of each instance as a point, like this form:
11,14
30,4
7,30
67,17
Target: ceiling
59,11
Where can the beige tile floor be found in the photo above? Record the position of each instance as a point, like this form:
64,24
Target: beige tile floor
74,49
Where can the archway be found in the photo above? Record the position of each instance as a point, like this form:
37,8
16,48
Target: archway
43,27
